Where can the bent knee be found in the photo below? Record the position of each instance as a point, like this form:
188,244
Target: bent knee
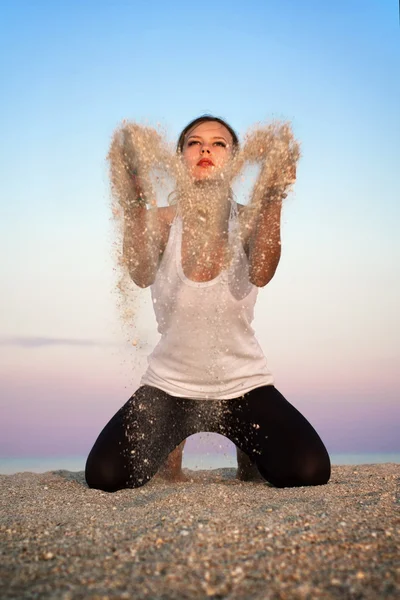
304,473
315,473
102,475
102,479
109,477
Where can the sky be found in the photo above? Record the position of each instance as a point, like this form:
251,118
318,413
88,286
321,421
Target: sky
328,322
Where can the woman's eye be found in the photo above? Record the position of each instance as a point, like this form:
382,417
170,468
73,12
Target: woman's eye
193,142
220,144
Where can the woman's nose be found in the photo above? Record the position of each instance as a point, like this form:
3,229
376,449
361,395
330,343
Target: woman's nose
205,149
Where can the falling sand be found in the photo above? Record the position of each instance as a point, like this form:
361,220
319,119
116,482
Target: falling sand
142,163
209,537
143,167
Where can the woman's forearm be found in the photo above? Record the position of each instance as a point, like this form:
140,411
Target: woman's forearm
141,244
265,241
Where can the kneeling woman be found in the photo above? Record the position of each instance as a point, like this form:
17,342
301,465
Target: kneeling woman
208,372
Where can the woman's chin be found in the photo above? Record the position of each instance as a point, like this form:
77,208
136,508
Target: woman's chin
211,174
201,173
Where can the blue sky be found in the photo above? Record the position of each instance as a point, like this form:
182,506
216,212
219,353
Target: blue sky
71,71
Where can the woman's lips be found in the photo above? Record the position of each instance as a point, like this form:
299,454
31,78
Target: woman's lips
205,162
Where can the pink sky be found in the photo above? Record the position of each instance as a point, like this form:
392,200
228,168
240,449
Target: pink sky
55,401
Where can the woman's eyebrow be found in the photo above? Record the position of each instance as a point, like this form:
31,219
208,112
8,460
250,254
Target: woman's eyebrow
216,137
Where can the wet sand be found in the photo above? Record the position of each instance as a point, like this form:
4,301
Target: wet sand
210,537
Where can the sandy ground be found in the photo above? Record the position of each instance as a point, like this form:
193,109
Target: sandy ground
211,537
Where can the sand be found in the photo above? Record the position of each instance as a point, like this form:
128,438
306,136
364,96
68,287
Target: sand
144,166
211,537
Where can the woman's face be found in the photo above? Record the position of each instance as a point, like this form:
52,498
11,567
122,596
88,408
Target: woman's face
207,148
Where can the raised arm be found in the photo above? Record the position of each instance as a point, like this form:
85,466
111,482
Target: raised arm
141,244
276,151
262,239
145,230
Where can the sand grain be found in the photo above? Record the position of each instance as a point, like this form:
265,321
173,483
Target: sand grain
212,537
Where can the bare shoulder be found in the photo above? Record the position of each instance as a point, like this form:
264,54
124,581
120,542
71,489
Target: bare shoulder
166,215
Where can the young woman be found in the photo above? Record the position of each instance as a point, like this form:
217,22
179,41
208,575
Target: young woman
207,373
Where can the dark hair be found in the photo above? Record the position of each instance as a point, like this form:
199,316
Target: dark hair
205,119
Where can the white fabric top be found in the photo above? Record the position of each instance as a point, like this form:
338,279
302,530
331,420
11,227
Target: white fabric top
207,348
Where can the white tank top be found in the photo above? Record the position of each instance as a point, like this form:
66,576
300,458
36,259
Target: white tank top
207,348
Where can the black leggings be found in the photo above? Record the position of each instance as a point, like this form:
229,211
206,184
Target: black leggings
134,444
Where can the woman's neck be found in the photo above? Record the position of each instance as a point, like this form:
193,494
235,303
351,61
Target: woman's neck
205,205
207,218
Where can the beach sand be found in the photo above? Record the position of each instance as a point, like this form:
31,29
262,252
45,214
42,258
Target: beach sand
210,537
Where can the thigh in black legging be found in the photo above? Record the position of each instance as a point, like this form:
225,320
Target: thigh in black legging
136,441
274,434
